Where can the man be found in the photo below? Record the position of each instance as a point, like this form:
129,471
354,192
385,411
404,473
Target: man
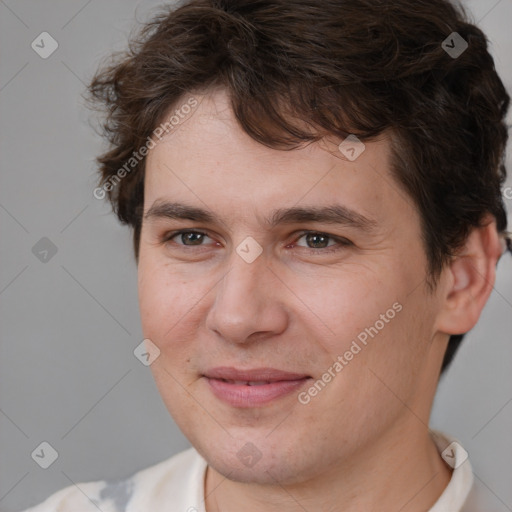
314,189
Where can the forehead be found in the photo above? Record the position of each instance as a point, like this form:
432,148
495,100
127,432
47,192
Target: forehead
208,159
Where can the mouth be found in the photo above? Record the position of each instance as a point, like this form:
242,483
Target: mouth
254,387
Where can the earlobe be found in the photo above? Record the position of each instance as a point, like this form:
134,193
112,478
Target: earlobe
470,278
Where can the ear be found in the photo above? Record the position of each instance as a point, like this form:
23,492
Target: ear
469,279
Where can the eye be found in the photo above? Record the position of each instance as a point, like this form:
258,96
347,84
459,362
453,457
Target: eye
318,242
188,238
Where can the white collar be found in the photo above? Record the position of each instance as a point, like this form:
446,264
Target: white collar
461,482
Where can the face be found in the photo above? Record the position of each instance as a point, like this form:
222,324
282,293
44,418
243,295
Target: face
326,316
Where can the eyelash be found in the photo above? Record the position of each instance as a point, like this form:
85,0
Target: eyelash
342,242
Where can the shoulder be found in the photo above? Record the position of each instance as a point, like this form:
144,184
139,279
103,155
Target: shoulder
177,479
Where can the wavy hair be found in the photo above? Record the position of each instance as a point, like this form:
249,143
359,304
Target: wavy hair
344,67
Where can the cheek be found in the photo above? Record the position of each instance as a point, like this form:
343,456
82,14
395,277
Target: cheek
166,311
163,300
371,317
343,305
172,310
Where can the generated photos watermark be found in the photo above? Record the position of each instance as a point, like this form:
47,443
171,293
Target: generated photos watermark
180,115
361,341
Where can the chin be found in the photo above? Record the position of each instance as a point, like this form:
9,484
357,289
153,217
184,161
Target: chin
270,465
264,472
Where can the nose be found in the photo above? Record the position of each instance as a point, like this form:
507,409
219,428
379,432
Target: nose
248,302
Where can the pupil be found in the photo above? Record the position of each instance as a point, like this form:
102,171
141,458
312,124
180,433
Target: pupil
190,237
314,238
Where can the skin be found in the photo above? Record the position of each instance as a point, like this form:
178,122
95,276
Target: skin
362,443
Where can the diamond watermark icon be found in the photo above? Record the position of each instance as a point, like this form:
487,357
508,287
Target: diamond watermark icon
249,455
249,249
351,147
44,250
146,352
45,455
454,455
454,45
44,45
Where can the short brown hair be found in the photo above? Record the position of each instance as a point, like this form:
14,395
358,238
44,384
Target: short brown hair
345,67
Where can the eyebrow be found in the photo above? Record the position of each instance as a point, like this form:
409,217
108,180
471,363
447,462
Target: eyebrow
331,214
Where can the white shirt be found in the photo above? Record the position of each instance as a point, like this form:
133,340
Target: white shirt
177,485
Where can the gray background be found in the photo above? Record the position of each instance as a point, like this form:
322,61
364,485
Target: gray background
69,325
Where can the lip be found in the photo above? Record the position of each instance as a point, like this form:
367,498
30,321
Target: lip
229,385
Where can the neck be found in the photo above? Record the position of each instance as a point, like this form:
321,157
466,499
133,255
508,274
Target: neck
402,471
